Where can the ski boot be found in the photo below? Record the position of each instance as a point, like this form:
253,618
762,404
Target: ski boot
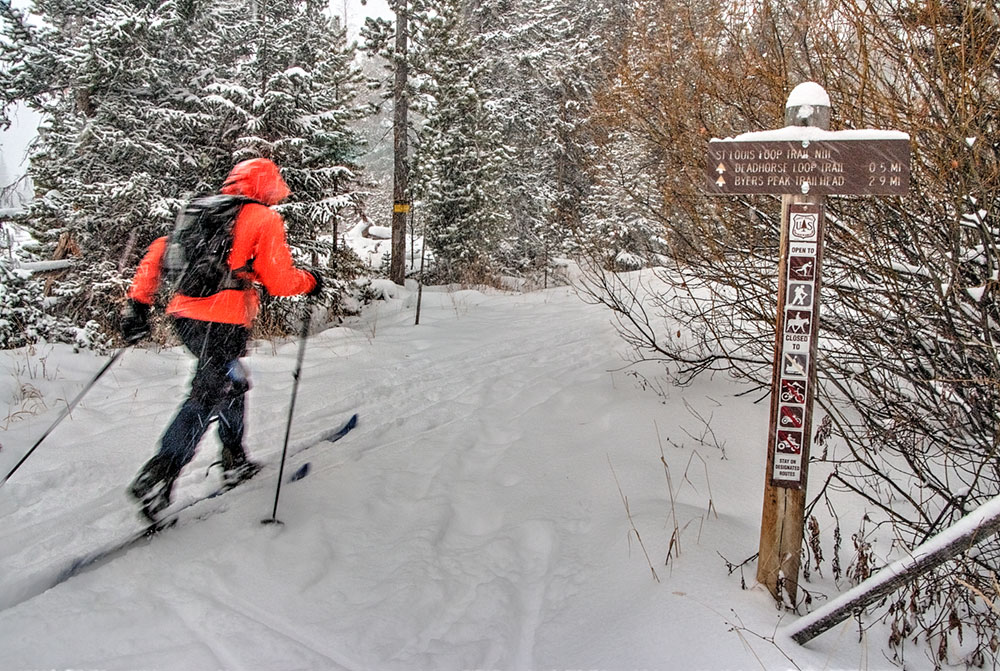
157,500
236,468
153,487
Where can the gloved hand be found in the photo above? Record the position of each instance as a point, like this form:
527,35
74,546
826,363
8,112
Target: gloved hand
135,321
318,289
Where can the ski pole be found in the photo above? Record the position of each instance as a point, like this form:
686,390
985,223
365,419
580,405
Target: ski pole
291,409
66,411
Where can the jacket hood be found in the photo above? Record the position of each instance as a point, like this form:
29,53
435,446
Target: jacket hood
257,178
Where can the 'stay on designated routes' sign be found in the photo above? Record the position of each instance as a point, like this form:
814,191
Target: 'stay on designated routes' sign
817,168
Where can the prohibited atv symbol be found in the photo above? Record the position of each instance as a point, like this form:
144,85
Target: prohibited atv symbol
790,442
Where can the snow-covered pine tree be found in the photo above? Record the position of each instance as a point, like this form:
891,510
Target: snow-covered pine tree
536,65
147,102
543,61
25,318
588,43
460,155
293,100
123,133
518,50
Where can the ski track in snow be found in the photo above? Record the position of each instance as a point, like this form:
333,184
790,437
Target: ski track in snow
471,520
465,551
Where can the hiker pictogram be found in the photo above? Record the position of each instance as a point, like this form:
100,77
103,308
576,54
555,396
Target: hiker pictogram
800,295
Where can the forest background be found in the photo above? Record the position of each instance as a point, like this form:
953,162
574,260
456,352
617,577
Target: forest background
547,129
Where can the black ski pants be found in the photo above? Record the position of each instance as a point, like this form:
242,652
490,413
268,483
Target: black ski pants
218,390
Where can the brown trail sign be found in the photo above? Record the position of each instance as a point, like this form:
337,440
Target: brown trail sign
802,162
818,168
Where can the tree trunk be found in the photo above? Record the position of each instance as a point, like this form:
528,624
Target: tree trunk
400,204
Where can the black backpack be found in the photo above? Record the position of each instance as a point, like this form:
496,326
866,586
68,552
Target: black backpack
196,261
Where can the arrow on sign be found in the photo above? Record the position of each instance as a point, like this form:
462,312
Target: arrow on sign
721,169
721,181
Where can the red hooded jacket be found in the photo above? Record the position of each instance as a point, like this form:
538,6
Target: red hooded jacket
258,235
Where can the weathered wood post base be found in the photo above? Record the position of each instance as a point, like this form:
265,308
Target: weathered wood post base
781,541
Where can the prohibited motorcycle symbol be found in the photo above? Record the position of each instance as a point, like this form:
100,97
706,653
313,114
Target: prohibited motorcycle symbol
791,416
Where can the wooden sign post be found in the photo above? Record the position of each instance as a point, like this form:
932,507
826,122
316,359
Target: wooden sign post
803,163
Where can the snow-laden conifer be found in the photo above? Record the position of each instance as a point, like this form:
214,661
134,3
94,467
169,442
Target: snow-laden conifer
145,104
124,133
460,155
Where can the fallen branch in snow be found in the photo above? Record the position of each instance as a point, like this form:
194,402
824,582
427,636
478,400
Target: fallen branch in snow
732,568
740,629
974,528
46,266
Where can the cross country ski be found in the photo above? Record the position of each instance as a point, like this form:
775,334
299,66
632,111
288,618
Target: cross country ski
195,510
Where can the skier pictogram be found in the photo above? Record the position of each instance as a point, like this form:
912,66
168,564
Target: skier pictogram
802,267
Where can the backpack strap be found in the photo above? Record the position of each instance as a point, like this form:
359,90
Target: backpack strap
248,266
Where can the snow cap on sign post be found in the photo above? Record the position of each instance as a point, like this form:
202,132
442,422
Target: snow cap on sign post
808,105
808,93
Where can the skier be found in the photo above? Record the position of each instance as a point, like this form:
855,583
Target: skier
215,329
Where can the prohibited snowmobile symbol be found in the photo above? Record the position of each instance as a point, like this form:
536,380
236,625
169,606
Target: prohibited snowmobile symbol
795,365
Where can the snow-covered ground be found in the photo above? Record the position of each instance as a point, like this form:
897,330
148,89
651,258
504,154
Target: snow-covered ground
473,520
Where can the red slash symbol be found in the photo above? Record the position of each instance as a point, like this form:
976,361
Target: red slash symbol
791,417
792,391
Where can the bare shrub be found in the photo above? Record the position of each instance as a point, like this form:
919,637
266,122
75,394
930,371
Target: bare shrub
908,367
